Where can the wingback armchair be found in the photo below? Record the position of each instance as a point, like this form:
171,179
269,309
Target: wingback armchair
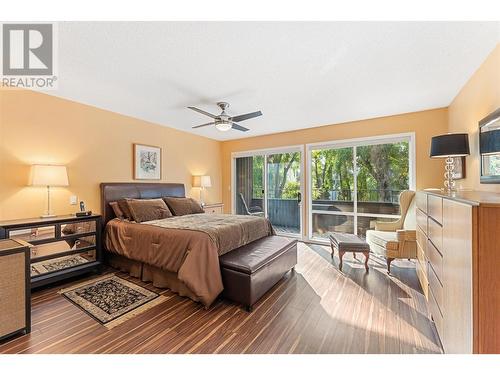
397,239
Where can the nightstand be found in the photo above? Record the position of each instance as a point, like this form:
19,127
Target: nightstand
15,296
215,208
60,247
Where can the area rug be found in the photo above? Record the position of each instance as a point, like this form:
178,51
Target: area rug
57,264
112,300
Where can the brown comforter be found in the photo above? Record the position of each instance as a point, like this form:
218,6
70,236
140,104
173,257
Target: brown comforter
189,245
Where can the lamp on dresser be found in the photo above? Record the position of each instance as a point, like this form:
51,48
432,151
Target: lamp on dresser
449,146
49,176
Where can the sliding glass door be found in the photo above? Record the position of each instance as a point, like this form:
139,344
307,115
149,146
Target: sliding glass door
357,183
268,183
332,189
284,197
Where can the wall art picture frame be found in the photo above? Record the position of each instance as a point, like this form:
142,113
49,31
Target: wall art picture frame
459,170
147,162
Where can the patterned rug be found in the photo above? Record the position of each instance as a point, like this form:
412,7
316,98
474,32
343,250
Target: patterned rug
57,264
112,300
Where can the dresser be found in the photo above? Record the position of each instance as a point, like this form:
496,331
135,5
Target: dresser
215,208
458,266
15,300
60,247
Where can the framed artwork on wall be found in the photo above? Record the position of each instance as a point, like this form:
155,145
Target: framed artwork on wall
459,170
147,162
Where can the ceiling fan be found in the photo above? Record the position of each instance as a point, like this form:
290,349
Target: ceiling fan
224,122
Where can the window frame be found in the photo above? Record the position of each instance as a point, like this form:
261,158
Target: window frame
354,143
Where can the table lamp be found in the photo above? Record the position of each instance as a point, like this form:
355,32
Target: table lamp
202,182
49,176
449,146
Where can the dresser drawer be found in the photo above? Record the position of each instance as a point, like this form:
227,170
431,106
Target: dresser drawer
435,234
435,260
213,210
421,257
435,208
436,315
422,221
422,240
436,288
422,277
216,208
421,201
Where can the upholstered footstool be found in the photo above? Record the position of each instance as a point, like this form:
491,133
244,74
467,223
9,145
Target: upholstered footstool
346,242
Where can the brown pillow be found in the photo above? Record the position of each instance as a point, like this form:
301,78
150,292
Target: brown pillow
148,209
116,209
183,206
123,205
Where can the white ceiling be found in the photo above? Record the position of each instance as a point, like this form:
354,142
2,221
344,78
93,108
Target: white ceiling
299,74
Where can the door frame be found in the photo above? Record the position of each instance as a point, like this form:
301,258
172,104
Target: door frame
264,152
354,143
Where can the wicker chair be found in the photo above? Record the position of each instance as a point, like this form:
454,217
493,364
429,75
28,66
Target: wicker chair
397,239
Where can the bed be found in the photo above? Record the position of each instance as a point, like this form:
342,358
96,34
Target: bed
180,253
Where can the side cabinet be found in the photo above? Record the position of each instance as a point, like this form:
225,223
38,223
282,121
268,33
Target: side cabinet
15,301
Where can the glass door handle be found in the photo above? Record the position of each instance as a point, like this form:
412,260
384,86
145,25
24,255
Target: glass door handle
299,197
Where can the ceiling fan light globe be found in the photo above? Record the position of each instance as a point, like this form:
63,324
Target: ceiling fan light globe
223,126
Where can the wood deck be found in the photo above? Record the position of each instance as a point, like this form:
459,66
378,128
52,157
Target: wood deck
315,309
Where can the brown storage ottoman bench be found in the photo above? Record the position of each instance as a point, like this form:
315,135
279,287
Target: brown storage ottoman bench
251,270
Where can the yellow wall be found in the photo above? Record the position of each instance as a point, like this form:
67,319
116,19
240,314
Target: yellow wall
425,124
96,146
478,98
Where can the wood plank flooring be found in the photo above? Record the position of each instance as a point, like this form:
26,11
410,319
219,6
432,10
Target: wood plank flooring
314,309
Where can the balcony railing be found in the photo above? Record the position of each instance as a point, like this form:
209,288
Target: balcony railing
327,213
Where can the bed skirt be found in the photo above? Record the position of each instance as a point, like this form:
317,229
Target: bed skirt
147,273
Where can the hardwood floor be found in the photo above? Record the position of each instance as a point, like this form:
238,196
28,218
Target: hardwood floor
315,309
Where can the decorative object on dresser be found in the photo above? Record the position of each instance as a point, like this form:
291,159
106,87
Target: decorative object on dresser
489,148
147,162
458,267
202,182
396,240
449,146
15,296
214,208
49,176
60,247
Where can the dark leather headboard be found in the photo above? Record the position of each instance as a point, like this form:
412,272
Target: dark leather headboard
112,191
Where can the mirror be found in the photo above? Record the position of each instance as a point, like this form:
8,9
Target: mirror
489,148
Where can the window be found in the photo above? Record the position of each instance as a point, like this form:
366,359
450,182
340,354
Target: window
354,184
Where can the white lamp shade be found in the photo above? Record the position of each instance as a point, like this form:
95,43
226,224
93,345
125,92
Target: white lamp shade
49,175
205,182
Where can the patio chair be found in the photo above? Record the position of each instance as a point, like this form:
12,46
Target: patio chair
254,210
397,239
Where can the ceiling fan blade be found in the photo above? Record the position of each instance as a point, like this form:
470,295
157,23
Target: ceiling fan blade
202,112
239,127
202,125
246,116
